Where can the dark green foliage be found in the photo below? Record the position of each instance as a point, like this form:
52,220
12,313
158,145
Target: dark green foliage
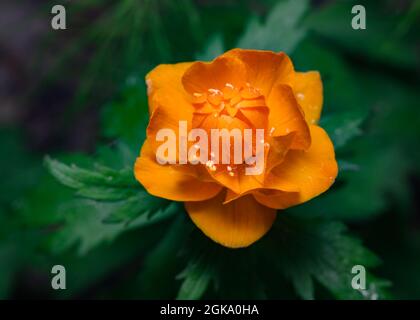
90,214
113,203
301,250
285,19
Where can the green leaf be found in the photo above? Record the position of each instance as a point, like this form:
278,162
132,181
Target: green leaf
104,193
305,250
342,127
78,178
281,31
83,224
196,278
86,274
114,203
214,271
126,116
142,203
161,265
383,39
308,253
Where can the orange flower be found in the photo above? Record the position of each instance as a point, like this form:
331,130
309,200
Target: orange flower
239,89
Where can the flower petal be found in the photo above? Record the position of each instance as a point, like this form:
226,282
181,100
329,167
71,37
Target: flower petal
313,170
307,87
239,182
236,224
168,101
167,78
167,115
286,116
264,68
171,181
202,76
279,146
276,199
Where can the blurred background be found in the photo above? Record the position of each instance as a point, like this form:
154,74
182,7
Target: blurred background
78,95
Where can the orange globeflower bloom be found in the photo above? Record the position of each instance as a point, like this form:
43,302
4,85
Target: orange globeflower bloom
241,89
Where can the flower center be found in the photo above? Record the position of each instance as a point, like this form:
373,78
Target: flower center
228,101
230,108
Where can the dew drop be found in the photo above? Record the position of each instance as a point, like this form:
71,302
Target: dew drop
229,91
214,91
199,97
300,96
215,96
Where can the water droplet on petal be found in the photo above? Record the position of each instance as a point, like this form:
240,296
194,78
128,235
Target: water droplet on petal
199,97
300,96
215,96
229,91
